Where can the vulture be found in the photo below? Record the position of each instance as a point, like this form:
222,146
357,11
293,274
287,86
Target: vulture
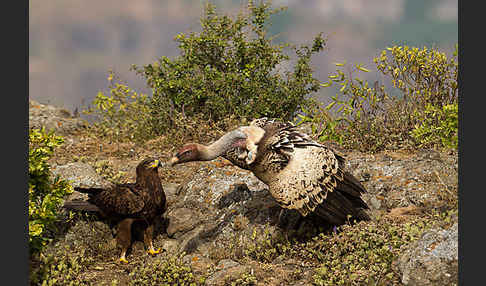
142,201
301,174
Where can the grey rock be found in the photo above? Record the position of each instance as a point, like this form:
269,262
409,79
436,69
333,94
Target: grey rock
229,271
431,260
181,221
53,118
226,263
191,241
374,203
209,184
80,175
405,179
170,246
199,264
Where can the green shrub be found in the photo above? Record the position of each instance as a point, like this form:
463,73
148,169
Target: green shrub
123,114
169,271
368,117
246,279
230,68
264,246
362,254
438,125
45,193
62,267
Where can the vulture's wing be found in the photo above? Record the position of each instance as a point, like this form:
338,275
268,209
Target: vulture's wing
237,156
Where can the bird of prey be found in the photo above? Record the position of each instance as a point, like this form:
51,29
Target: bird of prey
142,201
301,174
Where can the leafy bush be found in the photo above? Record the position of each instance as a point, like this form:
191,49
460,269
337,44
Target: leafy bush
170,271
123,114
367,117
362,254
230,68
45,194
439,125
62,267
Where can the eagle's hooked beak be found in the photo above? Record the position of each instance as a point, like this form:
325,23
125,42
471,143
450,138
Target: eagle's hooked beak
156,164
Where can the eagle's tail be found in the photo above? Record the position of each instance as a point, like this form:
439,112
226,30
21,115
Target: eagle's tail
92,191
81,206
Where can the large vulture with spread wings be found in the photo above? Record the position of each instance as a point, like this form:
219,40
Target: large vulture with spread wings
301,174
142,201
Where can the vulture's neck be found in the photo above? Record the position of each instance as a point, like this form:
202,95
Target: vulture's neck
222,145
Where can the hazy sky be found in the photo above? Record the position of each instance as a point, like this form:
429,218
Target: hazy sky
72,44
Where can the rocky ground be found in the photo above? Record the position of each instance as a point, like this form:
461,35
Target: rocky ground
221,225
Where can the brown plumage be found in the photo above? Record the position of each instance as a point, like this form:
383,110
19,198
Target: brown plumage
301,174
142,201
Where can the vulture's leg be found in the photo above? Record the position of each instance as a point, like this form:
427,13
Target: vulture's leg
124,237
147,238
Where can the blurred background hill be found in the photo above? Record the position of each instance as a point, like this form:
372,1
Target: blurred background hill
73,44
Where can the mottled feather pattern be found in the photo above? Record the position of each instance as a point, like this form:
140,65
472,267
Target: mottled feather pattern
301,172
233,155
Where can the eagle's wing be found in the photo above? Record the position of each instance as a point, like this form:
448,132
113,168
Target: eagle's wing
123,199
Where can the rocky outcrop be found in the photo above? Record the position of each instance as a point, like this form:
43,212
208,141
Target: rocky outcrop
80,175
227,270
53,118
432,260
396,180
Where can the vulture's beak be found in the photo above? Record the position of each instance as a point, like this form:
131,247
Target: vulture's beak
174,160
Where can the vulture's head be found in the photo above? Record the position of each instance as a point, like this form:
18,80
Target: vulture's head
198,152
187,153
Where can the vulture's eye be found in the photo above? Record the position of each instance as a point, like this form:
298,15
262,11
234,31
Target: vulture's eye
185,153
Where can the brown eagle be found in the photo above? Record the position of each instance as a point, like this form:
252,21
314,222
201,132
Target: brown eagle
301,174
142,201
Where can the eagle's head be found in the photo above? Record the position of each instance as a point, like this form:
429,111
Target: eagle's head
149,164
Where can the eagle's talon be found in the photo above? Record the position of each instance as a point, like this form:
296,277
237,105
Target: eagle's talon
154,252
122,259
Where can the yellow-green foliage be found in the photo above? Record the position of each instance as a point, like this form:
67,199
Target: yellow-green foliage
366,116
164,271
62,267
438,125
45,194
362,254
123,114
227,70
264,247
230,68
423,75
246,279
106,170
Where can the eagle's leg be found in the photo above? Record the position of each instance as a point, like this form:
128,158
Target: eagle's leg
124,237
147,238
